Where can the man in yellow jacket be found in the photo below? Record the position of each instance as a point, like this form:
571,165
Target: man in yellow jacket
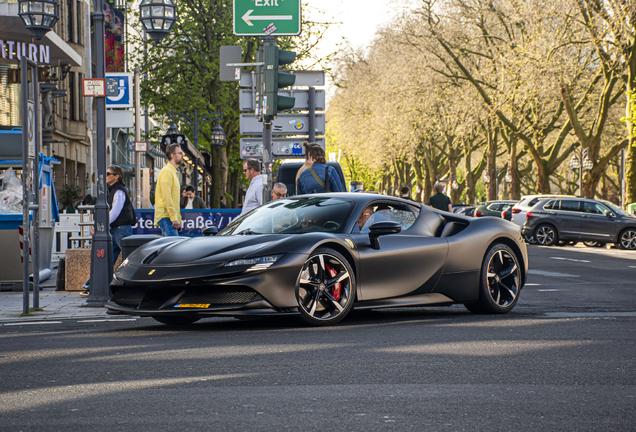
167,194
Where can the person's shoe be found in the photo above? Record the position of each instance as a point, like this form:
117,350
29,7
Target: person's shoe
84,293
86,286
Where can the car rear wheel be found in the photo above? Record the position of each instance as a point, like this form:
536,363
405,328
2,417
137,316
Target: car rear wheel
500,282
175,320
529,239
593,244
546,235
326,288
628,239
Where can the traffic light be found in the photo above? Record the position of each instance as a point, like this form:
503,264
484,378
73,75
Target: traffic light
273,80
259,86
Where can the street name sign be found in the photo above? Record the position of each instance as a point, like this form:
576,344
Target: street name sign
93,87
246,99
282,148
304,78
266,17
284,124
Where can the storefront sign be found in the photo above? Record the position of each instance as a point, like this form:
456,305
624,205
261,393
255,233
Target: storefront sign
193,221
15,50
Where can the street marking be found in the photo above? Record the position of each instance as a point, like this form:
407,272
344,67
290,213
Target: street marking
570,259
589,314
545,290
552,274
631,266
529,284
33,322
107,320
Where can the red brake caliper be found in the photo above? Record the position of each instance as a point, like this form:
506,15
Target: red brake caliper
335,292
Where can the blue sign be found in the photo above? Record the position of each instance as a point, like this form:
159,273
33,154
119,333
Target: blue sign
124,98
192,221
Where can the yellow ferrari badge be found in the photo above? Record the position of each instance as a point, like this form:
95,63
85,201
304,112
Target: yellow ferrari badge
151,272
349,242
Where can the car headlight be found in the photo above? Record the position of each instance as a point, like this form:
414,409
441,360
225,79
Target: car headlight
123,264
260,263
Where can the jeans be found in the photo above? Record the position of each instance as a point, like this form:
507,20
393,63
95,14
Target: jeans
167,230
116,234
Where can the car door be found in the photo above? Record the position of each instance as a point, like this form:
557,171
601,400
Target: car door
595,225
569,218
406,263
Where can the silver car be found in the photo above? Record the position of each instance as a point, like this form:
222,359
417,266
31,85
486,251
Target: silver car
580,219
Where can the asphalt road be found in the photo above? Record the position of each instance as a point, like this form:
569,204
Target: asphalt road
563,359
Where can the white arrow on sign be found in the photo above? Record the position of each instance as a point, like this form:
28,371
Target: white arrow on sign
247,18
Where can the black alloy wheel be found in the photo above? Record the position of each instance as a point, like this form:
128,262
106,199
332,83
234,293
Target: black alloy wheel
546,235
500,282
326,288
175,320
628,239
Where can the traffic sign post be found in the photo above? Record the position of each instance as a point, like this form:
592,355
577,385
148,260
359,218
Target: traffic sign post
267,17
284,124
247,100
282,148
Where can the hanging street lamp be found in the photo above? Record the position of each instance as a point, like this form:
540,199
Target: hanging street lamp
157,17
39,16
218,136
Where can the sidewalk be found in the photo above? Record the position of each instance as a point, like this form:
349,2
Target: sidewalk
56,305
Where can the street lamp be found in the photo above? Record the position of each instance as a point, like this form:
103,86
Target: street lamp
39,15
487,178
581,161
196,123
157,17
172,136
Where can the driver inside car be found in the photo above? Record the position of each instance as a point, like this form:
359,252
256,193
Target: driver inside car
369,217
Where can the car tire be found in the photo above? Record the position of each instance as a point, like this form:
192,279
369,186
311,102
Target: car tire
546,235
499,283
325,288
530,239
627,239
175,320
593,244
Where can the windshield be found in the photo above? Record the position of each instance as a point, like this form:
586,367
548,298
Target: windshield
293,216
615,209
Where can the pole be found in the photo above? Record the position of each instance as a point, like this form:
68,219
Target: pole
102,250
623,179
195,129
267,157
137,138
36,187
24,84
312,114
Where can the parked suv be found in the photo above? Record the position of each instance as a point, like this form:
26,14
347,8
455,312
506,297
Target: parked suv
520,209
580,219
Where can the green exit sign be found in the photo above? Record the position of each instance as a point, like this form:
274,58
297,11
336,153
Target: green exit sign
266,17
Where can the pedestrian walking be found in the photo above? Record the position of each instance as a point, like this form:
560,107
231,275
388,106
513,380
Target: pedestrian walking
320,177
121,215
167,214
254,194
307,163
190,200
279,191
439,200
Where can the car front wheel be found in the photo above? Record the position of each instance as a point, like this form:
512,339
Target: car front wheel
326,288
628,239
546,235
500,282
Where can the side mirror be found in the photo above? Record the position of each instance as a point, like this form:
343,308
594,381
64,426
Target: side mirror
210,231
382,228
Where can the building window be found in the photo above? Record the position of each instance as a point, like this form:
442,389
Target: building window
78,6
69,20
80,98
72,107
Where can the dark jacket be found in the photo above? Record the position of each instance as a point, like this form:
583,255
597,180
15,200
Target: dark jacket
127,214
440,201
197,203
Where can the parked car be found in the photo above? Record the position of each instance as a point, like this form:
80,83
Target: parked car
493,208
465,209
286,173
580,219
520,209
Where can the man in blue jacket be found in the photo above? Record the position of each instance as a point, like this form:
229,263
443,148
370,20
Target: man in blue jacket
320,177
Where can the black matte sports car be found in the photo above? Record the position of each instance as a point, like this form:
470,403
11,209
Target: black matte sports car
319,256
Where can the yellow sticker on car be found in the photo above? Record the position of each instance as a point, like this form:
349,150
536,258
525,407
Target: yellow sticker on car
349,242
193,305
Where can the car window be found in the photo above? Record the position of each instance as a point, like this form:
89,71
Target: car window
551,205
592,207
494,207
569,205
378,212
